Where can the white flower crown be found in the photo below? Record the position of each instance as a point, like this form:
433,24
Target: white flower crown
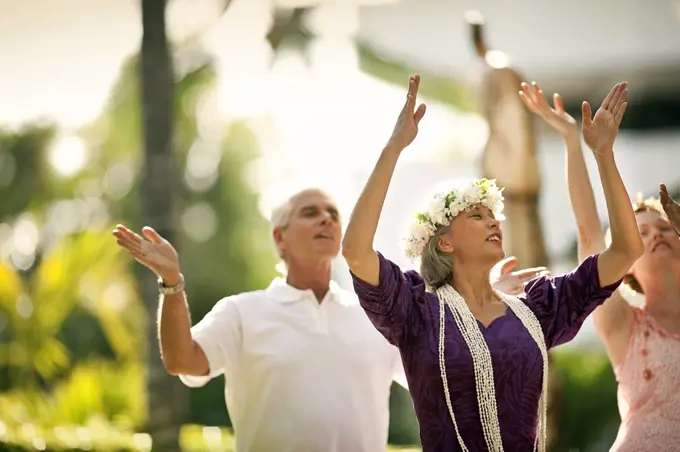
445,206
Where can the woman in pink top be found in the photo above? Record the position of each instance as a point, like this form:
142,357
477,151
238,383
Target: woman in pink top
643,343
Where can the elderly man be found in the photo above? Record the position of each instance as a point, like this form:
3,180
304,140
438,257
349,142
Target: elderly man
305,369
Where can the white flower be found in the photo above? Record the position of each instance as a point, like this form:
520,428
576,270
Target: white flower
471,195
420,231
424,225
494,196
436,210
457,206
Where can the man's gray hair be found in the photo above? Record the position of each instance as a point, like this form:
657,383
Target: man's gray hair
436,266
280,218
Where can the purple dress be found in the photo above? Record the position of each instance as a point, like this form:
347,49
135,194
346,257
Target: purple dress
408,317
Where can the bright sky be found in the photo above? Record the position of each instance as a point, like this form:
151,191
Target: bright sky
320,123
62,62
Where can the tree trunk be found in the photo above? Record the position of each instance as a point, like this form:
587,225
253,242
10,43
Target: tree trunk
159,193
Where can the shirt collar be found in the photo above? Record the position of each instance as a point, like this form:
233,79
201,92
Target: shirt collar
279,290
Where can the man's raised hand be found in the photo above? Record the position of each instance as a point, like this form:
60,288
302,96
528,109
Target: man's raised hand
153,251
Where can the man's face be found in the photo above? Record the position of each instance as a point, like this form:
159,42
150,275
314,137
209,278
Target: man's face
313,231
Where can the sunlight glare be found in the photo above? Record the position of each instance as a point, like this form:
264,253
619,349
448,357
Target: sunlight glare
26,236
242,58
116,296
497,59
309,3
203,160
199,221
118,180
212,436
24,306
68,155
62,217
321,121
39,443
143,441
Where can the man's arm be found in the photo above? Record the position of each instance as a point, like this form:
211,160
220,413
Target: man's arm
180,353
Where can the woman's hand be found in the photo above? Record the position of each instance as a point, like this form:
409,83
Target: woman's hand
406,128
600,132
156,253
556,117
512,283
671,207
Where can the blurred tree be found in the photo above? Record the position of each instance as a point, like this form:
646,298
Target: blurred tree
221,204
24,171
159,198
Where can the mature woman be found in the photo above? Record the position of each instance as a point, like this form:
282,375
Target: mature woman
476,359
643,344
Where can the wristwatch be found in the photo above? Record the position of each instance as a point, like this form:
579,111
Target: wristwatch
169,290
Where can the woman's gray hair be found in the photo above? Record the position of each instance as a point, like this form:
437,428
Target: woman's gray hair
436,266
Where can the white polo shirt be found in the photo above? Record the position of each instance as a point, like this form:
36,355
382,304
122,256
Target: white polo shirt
301,376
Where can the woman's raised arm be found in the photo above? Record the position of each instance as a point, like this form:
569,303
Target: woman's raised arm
599,133
357,246
590,235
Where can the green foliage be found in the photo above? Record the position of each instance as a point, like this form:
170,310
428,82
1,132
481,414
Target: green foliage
98,435
24,171
104,437
94,391
589,416
83,269
403,423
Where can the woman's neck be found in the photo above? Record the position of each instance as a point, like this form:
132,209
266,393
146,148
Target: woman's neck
662,293
473,284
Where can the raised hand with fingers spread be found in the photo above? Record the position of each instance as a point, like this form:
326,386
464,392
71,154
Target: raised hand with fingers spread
513,282
406,128
357,245
671,207
153,251
555,116
600,132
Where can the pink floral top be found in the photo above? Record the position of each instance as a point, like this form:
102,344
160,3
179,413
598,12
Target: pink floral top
649,389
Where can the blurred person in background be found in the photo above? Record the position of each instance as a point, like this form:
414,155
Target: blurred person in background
485,360
643,343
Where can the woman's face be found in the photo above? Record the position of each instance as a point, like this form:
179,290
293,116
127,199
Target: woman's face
474,236
662,246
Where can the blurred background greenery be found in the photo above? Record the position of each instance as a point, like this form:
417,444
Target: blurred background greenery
79,366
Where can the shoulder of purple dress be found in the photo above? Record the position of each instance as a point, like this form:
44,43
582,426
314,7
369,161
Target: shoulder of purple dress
584,279
391,275
392,305
562,303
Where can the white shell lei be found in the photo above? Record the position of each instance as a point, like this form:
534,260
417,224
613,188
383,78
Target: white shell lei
483,368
